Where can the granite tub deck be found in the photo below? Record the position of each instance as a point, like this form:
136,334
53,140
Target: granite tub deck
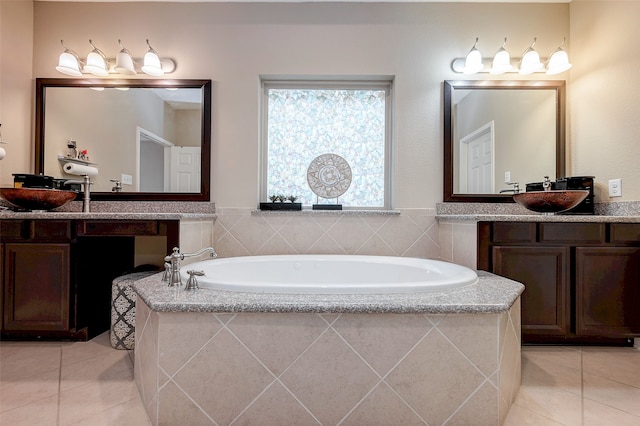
220,357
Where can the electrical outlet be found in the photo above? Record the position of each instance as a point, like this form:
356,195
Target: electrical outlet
615,188
507,177
126,179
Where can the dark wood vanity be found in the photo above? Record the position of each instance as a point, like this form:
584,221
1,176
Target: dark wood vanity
582,279
56,274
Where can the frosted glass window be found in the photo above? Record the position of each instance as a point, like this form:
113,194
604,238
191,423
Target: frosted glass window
304,121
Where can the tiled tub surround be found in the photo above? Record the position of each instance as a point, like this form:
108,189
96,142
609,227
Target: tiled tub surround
404,232
216,357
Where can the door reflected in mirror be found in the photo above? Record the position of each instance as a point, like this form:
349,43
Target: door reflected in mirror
151,136
499,132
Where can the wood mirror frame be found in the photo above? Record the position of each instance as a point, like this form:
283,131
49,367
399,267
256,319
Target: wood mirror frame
205,166
449,168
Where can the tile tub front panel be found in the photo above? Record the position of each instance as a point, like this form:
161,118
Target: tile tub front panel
271,369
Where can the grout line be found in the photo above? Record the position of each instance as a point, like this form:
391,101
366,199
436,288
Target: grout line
581,385
59,388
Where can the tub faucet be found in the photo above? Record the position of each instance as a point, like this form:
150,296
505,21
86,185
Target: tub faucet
172,264
546,185
86,183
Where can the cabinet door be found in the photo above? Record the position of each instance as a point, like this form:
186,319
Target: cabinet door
608,291
544,271
36,286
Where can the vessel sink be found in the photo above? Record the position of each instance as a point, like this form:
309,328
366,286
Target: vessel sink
36,198
550,202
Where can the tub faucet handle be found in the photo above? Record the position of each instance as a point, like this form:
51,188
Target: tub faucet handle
167,272
192,282
174,267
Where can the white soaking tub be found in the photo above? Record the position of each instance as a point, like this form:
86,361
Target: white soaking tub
330,274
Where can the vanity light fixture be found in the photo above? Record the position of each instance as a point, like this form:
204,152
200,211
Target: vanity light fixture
152,62
473,62
530,61
124,63
501,60
69,62
558,61
97,63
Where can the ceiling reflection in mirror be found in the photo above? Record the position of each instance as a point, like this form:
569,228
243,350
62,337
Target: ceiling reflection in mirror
148,139
501,132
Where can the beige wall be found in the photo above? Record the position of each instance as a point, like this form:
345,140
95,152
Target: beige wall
605,94
233,44
16,87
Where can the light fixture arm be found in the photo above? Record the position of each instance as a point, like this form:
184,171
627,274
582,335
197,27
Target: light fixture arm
124,49
71,52
98,51
151,49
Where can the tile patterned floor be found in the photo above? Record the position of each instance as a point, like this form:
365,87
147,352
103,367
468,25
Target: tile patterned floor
91,384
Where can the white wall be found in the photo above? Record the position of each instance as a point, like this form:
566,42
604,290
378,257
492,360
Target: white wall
233,44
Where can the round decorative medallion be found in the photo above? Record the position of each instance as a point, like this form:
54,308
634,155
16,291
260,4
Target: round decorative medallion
329,176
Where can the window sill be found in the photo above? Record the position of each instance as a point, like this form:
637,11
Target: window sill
305,212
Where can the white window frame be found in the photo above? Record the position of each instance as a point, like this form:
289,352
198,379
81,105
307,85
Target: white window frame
330,82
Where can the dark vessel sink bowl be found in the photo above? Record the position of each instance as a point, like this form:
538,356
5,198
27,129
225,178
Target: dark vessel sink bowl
550,202
36,198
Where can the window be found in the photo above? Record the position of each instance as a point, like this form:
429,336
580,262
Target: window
306,119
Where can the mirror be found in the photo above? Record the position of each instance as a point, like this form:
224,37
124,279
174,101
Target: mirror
495,131
153,136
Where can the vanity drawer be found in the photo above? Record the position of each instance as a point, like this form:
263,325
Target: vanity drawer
579,233
625,233
35,230
118,227
514,232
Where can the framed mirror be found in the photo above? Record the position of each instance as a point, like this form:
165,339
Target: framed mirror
151,138
497,132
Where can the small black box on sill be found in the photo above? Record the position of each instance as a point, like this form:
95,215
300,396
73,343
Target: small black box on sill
282,206
327,207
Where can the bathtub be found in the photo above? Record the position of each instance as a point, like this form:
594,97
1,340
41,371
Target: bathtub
330,274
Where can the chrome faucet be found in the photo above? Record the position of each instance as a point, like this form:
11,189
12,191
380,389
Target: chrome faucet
546,185
86,183
172,264
515,190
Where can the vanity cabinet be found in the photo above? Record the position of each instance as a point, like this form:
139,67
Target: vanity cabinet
36,276
56,274
582,280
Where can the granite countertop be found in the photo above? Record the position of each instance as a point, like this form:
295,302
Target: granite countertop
493,294
620,212
121,210
539,218
7,214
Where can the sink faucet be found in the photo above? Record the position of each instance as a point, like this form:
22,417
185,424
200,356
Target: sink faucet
172,264
86,183
515,190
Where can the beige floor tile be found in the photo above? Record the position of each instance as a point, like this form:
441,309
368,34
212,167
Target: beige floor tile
17,393
520,416
558,405
597,414
73,352
619,364
113,365
129,413
85,401
41,412
552,368
612,393
28,359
